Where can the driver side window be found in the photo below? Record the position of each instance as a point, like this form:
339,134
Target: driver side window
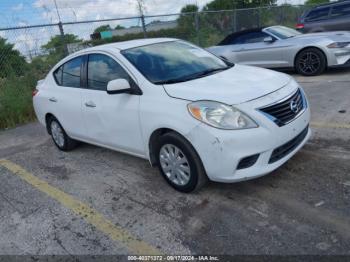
102,69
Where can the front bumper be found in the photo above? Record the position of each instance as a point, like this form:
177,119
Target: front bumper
338,57
221,151
345,65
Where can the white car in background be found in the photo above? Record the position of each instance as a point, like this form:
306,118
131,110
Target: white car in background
177,105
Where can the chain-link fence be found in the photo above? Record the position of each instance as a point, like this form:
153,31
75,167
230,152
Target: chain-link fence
27,53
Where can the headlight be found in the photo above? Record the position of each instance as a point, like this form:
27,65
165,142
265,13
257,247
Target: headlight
220,115
338,44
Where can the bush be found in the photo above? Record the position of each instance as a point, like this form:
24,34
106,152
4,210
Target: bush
16,101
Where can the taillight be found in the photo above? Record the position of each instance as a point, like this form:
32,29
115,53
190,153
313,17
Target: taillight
299,26
35,91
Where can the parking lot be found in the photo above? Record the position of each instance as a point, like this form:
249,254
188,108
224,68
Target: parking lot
97,201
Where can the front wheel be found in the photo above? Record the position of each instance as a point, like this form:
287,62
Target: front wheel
310,62
179,163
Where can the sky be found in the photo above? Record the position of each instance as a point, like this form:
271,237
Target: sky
17,13
29,12
25,12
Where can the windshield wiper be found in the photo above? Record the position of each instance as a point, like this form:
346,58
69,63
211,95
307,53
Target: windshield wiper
169,81
209,72
192,76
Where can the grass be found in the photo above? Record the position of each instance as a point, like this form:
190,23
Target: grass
16,101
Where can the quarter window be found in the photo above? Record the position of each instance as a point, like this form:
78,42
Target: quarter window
58,75
69,73
101,70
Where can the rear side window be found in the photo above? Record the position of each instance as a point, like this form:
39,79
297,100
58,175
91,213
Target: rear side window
318,14
101,70
341,10
69,73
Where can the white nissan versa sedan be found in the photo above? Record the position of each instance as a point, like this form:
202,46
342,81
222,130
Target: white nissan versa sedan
192,114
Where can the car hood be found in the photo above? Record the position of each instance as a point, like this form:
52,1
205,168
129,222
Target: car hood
233,86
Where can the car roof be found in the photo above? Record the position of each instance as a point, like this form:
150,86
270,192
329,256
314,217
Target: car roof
331,4
126,44
229,38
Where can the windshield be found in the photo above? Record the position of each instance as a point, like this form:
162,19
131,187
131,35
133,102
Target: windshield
173,62
282,32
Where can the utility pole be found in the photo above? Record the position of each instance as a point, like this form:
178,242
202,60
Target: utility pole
234,16
58,13
140,8
60,26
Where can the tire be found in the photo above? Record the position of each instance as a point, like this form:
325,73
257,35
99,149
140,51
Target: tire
63,142
190,174
310,62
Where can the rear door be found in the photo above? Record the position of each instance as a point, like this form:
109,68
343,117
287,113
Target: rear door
251,49
64,98
340,17
111,120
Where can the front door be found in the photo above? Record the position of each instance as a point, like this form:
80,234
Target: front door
251,49
111,120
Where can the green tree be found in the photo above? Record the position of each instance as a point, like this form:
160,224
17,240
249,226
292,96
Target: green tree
12,63
233,4
316,2
119,27
220,24
189,9
187,21
56,46
102,28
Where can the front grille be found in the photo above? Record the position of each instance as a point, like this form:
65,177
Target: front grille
248,161
285,111
288,147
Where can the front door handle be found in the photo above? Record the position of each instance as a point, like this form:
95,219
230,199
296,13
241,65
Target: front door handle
90,104
53,99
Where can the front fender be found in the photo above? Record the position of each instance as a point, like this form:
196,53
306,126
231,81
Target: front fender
174,116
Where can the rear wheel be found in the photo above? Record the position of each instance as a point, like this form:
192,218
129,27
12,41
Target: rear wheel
59,136
310,62
179,163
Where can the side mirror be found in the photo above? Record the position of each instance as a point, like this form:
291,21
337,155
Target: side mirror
118,86
268,39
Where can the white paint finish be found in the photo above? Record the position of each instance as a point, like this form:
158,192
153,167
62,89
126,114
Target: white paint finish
234,86
63,102
114,121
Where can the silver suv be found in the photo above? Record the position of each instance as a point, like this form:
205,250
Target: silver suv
328,17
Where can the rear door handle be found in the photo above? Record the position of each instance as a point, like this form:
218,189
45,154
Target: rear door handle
90,104
53,99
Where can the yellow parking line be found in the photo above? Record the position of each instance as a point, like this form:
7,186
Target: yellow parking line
96,219
330,125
